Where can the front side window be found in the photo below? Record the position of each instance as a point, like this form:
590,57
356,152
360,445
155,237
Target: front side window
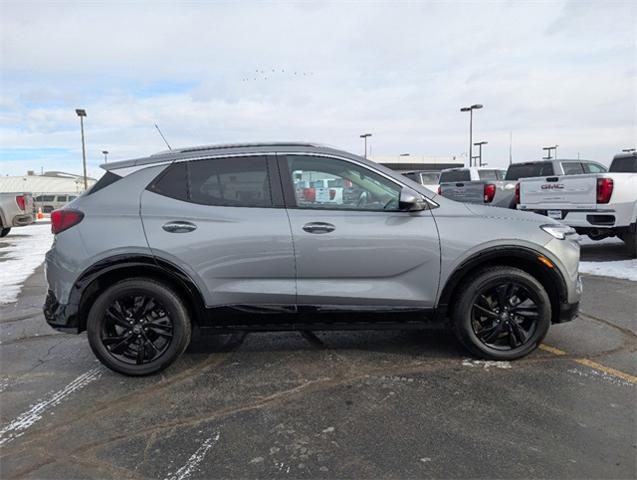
329,183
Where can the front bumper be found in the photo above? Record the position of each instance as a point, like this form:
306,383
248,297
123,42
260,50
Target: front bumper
568,312
63,318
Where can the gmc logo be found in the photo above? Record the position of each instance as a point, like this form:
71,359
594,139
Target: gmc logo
553,186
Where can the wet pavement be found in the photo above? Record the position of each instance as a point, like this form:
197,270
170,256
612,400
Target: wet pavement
391,404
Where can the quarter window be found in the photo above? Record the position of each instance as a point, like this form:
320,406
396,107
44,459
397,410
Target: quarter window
329,183
173,182
572,168
590,167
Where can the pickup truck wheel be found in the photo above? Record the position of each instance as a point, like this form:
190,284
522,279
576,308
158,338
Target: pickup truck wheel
630,240
138,327
501,313
4,231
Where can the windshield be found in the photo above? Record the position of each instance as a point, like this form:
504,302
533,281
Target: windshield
455,176
525,170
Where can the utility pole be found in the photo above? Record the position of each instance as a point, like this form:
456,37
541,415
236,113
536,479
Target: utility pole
82,113
470,109
510,147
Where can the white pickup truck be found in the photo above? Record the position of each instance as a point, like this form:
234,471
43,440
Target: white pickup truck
16,210
598,205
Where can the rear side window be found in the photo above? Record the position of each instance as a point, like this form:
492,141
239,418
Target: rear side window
230,182
572,168
173,182
487,175
107,179
62,198
47,198
455,176
526,170
624,164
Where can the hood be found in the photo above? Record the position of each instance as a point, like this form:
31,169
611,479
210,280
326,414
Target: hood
508,214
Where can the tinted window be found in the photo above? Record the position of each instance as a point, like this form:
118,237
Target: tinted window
624,164
526,170
62,198
173,182
72,197
455,176
572,168
47,198
487,175
590,167
355,187
234,182
107,179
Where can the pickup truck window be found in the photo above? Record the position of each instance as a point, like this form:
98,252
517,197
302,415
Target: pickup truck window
487,174
572,168
525,170
590,167
624,164
455,176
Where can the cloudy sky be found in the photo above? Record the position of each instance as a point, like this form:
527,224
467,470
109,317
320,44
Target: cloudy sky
207,72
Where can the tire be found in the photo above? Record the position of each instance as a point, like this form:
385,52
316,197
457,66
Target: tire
494,336
4,231
130,314
630,241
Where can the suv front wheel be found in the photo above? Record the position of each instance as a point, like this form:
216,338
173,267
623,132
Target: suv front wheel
138,327
501,313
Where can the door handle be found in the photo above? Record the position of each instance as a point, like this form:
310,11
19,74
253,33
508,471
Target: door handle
179,227
318,227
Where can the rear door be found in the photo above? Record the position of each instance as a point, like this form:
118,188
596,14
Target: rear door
358,251
222,220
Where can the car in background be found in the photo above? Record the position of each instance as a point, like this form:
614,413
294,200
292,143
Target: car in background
477,185
427,178
49,202
16,210
220,239
544,168
599,205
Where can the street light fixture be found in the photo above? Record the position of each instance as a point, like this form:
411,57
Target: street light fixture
548,149
476,106
105,153
479,145
364,137
82,113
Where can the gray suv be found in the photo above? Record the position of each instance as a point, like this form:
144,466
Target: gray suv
294,236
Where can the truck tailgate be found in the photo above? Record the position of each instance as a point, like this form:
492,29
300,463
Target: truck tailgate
568,191
471,192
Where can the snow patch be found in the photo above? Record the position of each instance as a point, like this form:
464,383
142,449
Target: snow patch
195,459
602,376
19,425
626,269
485,364
21,252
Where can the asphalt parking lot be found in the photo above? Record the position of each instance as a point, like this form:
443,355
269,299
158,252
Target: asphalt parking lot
391,404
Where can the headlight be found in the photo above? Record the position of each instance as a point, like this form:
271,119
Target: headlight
558,231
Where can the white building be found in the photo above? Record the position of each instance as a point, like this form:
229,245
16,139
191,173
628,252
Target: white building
47,183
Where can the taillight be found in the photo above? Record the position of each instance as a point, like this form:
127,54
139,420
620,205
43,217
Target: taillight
20,200
64,219
439,190
604,189
517,193
489,192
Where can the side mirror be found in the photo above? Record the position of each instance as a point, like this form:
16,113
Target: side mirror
411,201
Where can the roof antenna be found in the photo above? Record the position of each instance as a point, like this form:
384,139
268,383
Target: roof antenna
162,136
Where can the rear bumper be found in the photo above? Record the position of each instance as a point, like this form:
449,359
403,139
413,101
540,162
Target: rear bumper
60,317
22,220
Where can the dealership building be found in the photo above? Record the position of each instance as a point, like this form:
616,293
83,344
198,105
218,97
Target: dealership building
406,162
46,183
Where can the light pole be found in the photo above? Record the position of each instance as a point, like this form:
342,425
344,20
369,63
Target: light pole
479,145
364,137
82,113
105,153
548,149
470,109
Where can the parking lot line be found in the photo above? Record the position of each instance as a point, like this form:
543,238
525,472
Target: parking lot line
591,364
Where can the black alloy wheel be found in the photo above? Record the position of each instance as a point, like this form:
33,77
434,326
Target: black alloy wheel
137,329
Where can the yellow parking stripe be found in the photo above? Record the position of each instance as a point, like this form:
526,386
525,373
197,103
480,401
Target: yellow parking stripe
594,365
608,370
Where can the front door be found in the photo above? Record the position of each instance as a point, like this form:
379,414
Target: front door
353,245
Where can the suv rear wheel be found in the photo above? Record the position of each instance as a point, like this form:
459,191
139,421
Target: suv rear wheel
138,327
502,313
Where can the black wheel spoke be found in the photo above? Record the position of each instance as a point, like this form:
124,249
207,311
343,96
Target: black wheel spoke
485,311
137,329
526,311
490,334
517,331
